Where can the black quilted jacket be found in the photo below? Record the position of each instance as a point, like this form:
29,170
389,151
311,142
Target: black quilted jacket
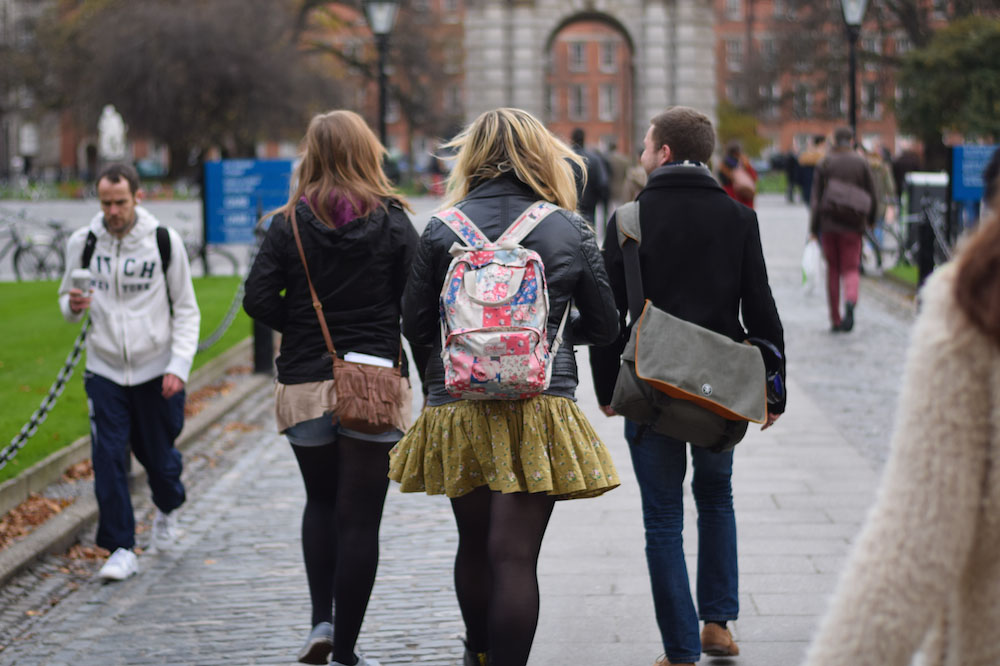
574,270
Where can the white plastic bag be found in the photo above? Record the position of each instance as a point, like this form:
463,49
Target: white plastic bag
812,266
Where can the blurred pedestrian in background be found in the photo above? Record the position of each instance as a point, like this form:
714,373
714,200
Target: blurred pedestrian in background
359,244
503,463
737,175
844,201
807,166
924,573
591,180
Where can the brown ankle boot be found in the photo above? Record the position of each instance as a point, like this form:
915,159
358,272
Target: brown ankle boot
718,642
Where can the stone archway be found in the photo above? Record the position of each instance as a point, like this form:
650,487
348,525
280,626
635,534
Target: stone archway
588,82
672,50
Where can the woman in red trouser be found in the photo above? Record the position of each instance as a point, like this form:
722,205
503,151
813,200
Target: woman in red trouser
843,202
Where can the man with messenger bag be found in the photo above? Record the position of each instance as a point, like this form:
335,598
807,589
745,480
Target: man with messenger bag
685,262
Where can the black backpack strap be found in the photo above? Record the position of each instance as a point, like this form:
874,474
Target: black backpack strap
163,244
88,249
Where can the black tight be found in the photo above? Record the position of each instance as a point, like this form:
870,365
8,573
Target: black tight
345,484
499,538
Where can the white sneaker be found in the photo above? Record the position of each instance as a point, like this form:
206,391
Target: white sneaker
165,534
121,565
362,661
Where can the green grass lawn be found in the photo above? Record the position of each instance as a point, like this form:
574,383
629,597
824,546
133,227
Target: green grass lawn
36,341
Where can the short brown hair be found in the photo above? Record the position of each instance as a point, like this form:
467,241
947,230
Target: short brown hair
115,172
687,131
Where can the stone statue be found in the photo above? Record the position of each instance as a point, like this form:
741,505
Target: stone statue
111,134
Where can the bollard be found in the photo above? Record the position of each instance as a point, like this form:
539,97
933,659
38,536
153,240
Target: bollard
925,251
263,348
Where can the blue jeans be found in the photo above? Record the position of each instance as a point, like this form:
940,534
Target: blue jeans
138,417
660,464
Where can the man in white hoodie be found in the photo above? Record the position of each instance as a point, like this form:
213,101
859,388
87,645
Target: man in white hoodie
142,341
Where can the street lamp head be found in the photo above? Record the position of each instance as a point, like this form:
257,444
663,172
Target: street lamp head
381,15
854,11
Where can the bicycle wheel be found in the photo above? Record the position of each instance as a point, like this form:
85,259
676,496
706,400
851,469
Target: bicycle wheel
871,254
38,262
219,261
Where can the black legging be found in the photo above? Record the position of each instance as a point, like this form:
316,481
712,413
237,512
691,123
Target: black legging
496,578
345,484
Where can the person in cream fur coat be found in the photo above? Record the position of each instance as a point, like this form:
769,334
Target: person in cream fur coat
924,574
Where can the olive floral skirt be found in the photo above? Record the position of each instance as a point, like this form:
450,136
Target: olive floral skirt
540,445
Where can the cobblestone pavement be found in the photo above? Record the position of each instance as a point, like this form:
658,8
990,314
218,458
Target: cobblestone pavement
235,592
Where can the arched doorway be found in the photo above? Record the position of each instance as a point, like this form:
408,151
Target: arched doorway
588,82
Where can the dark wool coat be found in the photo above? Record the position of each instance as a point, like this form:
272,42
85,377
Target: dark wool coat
701,260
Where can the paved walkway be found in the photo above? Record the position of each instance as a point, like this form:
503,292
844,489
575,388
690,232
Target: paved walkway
235,590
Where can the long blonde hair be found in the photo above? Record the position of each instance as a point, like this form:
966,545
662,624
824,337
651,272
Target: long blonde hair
506,140
342,158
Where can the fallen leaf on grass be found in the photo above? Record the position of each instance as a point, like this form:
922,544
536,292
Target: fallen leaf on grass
80,552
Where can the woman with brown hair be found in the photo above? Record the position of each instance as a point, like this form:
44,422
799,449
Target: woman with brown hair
504,462
358,244
924,573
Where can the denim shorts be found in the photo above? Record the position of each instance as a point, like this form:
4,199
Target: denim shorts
322,431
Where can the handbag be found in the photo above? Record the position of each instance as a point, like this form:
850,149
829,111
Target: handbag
368,397
678,378
848,203
743,183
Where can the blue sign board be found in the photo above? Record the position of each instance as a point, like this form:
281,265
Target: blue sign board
967,166
237,192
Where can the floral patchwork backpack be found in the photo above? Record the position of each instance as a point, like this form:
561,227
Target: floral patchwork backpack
494,310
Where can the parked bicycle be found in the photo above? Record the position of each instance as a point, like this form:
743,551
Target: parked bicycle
35,257
898,242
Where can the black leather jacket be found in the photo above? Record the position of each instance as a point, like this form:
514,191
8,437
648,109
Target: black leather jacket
574,271
359,271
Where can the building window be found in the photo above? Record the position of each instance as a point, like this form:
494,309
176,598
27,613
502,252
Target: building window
451,5
802,101
609,57
734,93
770,100
577,57
452,58
734,10
768,53
734,55
781,8
578,103
835,105
871,107
607,108
940,11
903,45
553,102
392,114
871,48
453,99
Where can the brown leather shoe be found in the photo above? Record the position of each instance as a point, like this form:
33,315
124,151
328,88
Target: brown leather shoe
718,642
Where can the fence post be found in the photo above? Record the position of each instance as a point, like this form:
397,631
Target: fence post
263,336
925,251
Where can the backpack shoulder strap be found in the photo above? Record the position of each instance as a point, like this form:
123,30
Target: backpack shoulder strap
88,249
627,219
163,245
526,222
463,227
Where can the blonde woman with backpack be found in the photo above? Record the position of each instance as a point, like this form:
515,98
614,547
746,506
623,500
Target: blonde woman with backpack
503,456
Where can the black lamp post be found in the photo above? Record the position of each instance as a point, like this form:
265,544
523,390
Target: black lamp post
854,14
381,15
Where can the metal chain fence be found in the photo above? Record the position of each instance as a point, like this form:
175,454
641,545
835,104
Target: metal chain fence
29,428
234,307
